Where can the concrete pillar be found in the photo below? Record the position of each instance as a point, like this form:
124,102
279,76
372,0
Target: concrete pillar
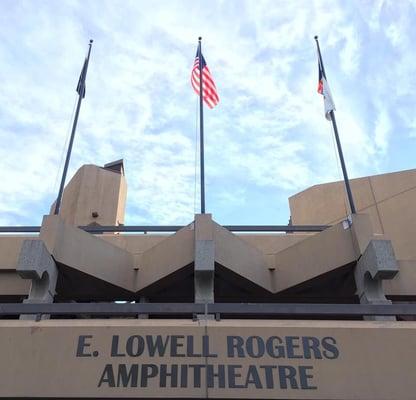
204,266
37,264
377,263
143,300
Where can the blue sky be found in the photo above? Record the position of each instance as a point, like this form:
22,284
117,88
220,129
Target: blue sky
266,140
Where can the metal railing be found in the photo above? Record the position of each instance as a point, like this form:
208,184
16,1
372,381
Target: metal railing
174,228
229,309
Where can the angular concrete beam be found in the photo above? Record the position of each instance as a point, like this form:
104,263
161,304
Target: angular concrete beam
317,255
241,258
204,266
36,263
89,254
166,257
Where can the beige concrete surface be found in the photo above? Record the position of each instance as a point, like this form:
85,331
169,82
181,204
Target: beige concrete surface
399,221
327,203
386,186
82,251
10,249
404,283
338,360
272,243
11,284
314,256
388,198
241,258
134,243
94,189
303,257
166,257
272,261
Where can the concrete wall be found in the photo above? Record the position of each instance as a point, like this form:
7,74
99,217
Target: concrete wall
337,360
389,199
94,189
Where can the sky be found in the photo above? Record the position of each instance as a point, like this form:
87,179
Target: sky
265,141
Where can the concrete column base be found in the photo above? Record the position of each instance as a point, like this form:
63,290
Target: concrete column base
37,264
377,263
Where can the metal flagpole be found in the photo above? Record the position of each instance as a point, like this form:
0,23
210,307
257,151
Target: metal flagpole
340,153
201,127
81,92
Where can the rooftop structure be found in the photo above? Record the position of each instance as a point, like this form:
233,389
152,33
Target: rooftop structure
321,310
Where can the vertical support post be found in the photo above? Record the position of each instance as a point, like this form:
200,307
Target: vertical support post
143,300
37,264
204,266
376,264
329,110
344,169
201,126
81,95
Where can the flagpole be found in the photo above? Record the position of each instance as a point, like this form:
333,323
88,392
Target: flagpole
201,128
340,153
81,92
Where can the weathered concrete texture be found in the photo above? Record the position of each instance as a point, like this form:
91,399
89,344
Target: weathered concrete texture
36,263
204,265
80,250
379,260
376,264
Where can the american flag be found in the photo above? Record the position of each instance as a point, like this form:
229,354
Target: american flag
209,90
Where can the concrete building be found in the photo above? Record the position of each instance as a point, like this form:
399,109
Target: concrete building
324,309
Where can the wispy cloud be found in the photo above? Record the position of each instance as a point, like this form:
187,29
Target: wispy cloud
267,139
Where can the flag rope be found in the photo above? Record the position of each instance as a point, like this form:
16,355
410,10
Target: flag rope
61,161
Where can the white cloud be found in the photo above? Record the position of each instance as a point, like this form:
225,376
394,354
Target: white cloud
268,132
382,130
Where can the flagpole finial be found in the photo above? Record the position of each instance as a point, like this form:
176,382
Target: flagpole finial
316,37
91,41
200,38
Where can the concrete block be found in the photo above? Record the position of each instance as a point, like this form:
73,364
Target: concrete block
37,264
380,260
375,265
204,265
204,255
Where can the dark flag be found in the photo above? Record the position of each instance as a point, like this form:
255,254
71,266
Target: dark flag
81,95
81,80
209,90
